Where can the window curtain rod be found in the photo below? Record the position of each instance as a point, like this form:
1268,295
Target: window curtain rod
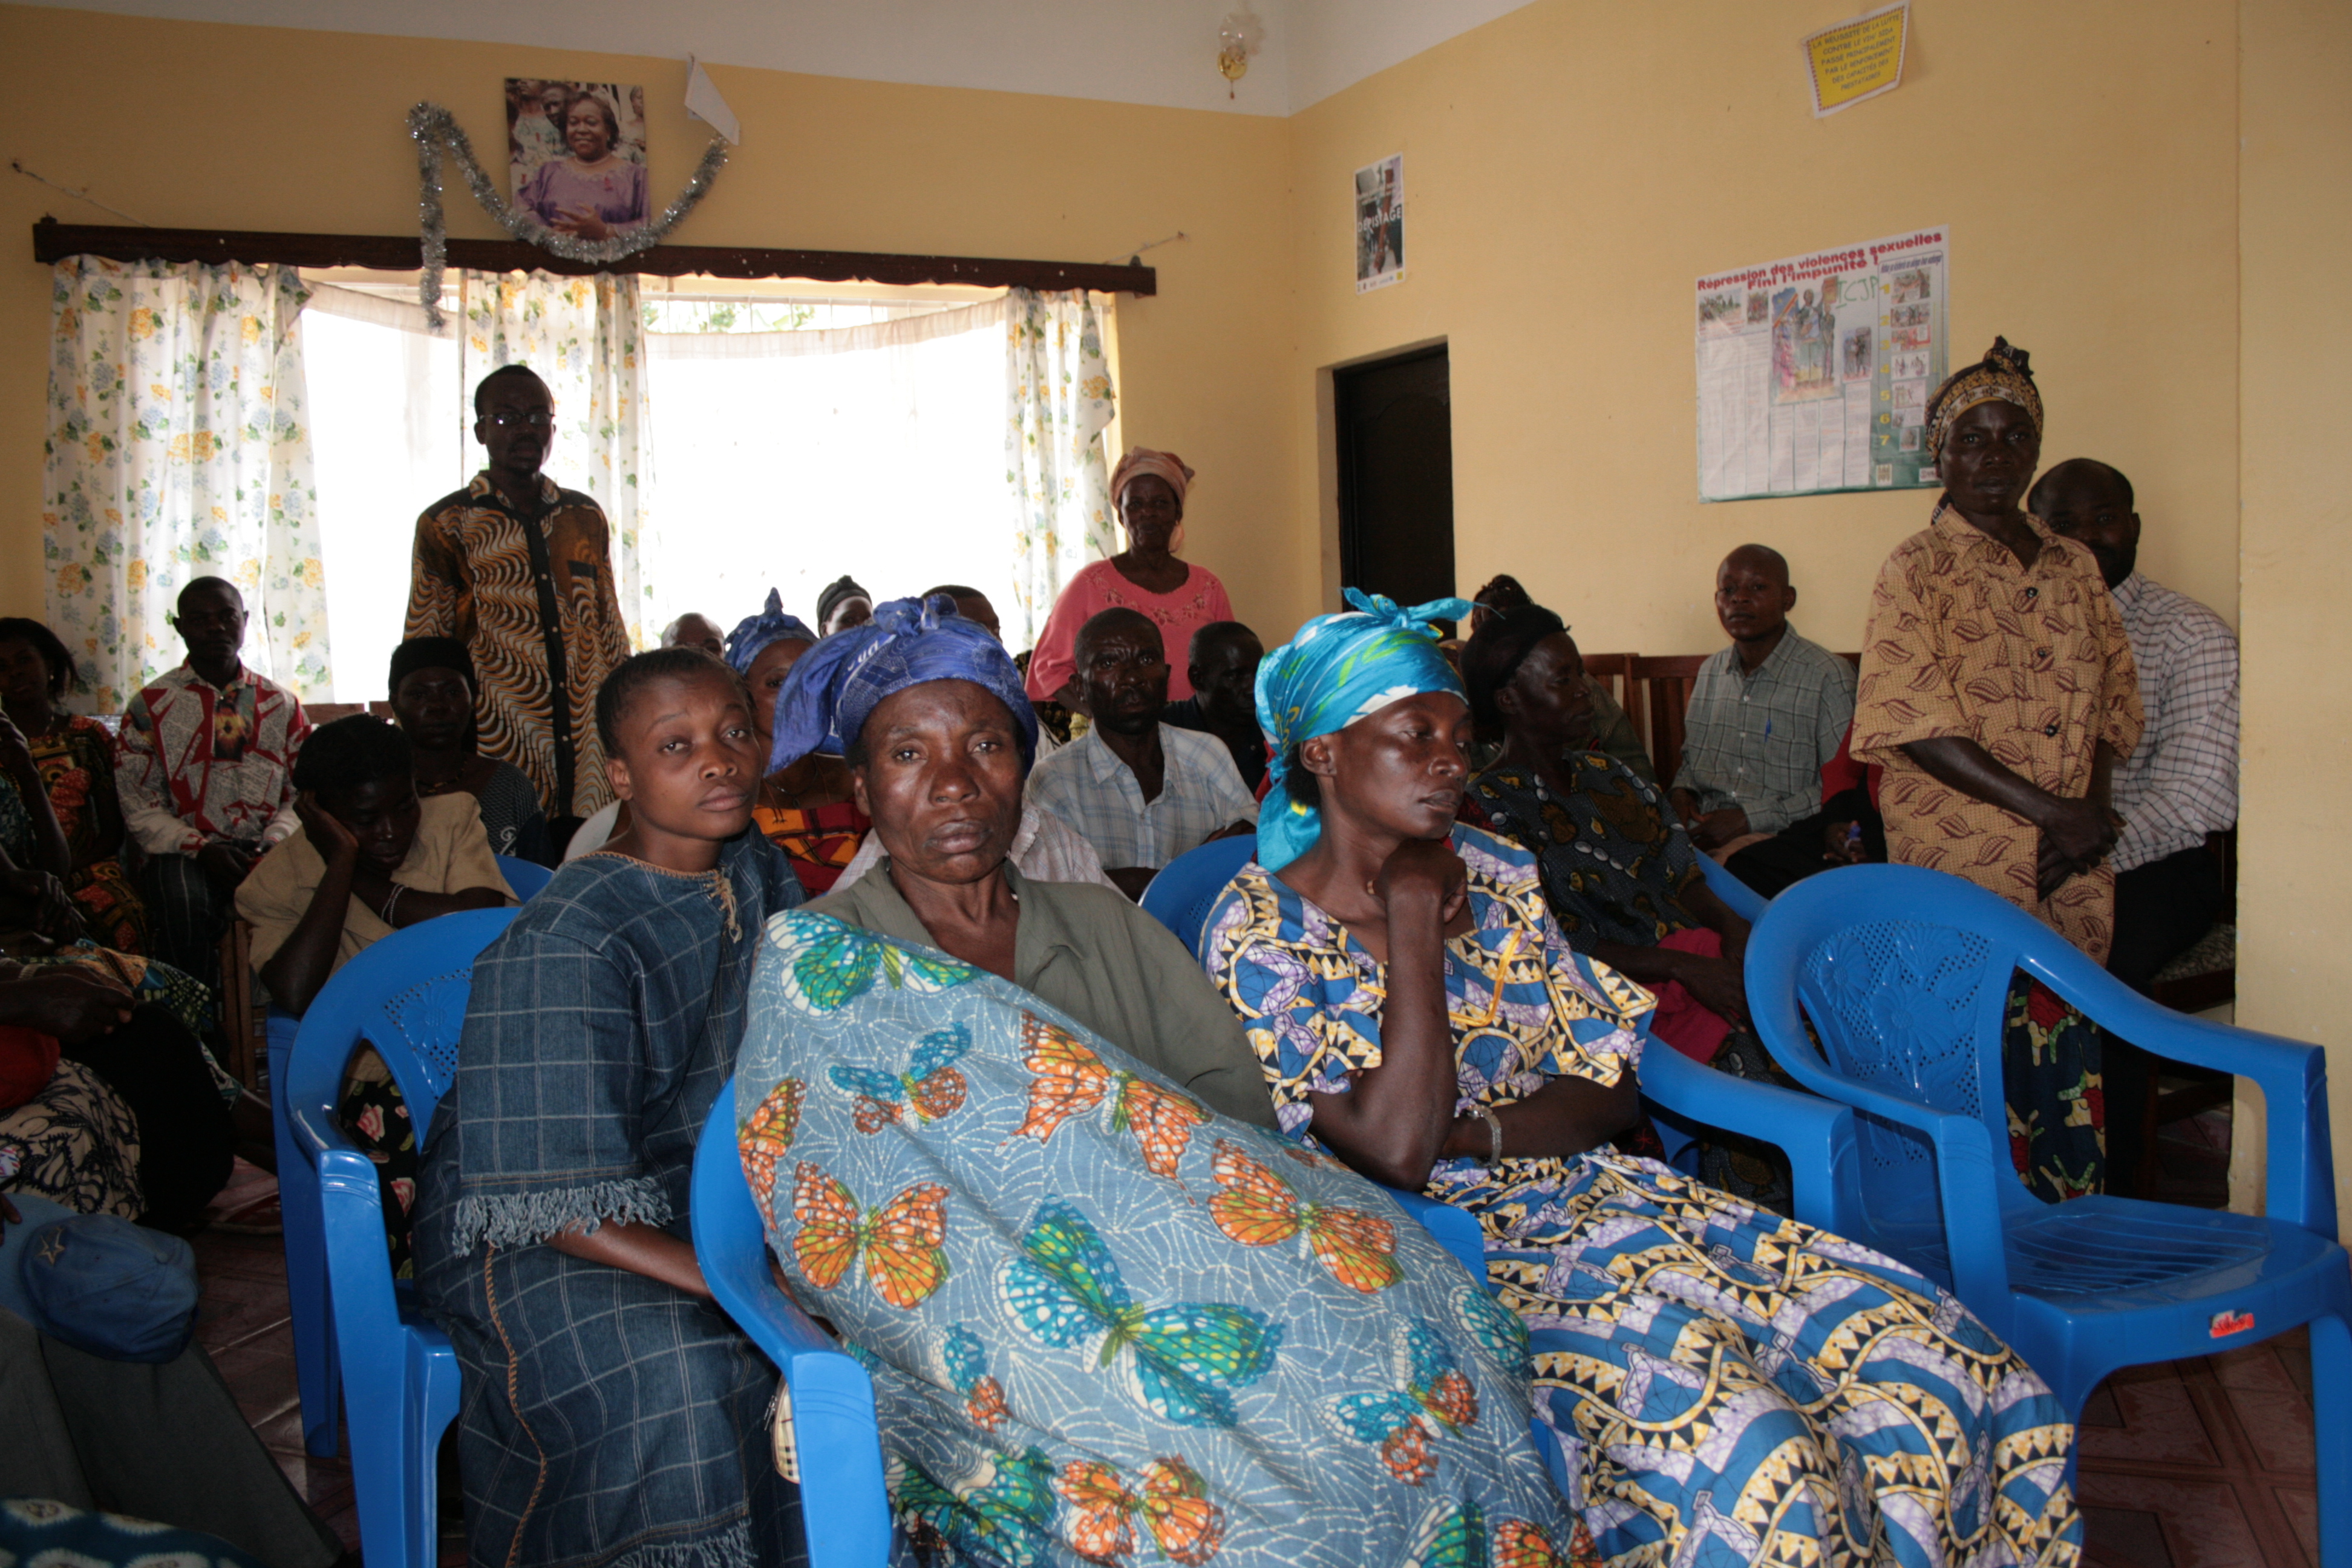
54,241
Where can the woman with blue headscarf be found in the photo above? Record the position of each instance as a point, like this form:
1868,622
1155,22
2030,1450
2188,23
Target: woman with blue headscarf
804,807
929,712
1707,1370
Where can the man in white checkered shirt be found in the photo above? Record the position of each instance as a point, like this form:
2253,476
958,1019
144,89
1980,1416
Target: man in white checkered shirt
1139,791
2179,788
1765,713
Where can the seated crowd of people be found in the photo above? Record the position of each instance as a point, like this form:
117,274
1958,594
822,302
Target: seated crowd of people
1101,1215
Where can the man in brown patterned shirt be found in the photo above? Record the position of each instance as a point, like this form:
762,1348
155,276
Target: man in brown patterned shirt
521,571
1997,688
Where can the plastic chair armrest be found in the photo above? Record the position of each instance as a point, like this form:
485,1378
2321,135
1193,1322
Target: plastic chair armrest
1456,1230
1816,1134
832,1421
2292,1074
359,1298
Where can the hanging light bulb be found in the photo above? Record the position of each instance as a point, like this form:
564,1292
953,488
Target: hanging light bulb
1238,38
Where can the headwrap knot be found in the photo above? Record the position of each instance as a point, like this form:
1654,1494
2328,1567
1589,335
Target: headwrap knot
2001,376
754,633
836,685
1338,670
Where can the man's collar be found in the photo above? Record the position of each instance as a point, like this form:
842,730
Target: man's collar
2129,592
1740,666
1103,763
243,677
482,489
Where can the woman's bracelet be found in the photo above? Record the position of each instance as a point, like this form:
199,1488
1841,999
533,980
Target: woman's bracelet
391,901
1493,1132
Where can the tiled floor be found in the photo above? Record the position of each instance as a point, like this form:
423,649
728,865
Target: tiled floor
2204,1464
2194,1464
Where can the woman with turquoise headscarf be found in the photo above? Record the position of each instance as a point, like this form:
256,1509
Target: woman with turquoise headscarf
1707,1370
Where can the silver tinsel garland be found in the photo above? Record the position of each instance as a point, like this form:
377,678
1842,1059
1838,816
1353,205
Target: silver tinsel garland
434,127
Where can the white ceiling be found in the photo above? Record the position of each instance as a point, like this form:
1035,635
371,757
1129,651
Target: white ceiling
1128,51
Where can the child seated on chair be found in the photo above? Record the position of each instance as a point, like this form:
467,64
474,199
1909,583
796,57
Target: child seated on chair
371,857
610,1411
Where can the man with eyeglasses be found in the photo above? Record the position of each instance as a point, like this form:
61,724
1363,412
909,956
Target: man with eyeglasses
520,570
205,770
1139,791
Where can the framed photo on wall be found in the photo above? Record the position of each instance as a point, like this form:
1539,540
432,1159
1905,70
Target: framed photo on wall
577,151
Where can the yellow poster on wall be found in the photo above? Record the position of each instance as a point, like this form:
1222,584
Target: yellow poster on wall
1857,59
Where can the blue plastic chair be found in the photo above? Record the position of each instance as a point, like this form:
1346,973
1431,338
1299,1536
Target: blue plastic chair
406,997
1903,973
845,1506
306,1253
525,877
1187,888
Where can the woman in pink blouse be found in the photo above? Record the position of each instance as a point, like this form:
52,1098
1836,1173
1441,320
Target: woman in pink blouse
1148,487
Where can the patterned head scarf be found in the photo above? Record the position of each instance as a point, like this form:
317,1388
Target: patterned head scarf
1338,670
754,633
2001,376
836,685
1141,461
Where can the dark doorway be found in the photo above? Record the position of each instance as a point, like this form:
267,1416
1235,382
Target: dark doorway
1396,476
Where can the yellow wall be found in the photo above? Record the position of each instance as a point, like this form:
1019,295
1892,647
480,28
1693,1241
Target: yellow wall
2295,902
1572,168
253,128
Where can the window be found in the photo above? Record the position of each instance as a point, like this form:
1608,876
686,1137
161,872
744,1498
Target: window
795,435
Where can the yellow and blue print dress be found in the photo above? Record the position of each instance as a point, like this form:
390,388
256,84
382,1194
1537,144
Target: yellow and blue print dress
1728,1386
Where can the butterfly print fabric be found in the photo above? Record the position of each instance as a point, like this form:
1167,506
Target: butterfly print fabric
1107,1325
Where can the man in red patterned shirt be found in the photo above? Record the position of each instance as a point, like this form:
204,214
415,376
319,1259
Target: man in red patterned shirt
204,767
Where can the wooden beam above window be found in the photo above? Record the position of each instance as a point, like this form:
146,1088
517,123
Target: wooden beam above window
54,241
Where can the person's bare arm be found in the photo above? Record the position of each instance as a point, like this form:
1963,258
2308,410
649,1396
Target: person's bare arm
1717,917
1565,1118
2075,834
297,972
416,904
640,1248
1715,982
1394,1123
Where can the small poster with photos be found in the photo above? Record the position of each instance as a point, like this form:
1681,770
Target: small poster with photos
1379,223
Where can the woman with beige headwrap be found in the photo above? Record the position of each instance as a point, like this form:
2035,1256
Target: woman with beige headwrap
1149,489
1998,690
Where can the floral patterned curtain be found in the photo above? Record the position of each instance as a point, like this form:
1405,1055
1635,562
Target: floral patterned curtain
1058,403
176,449
585,337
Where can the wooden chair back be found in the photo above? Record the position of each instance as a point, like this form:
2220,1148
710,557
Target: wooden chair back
1663,687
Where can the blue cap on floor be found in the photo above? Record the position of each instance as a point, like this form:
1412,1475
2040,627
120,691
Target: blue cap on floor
109,1287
